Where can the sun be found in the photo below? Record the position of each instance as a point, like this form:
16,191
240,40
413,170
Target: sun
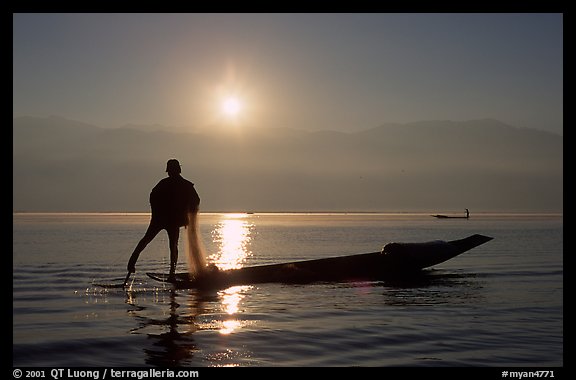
231,106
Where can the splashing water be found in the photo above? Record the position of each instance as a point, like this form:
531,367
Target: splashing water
195,247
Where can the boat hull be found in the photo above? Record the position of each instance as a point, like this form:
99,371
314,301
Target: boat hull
395,260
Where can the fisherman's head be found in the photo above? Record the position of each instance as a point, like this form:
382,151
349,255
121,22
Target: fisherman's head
173,167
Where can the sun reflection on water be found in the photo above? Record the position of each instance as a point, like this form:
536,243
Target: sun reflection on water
229,326
232,236
230,299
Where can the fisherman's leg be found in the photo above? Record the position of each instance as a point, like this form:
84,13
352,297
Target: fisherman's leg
150,234
173,236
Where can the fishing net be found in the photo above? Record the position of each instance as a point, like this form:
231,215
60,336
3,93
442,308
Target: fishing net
195,247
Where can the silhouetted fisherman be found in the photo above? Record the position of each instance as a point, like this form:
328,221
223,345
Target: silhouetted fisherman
173,201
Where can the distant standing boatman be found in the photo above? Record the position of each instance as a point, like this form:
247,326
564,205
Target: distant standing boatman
171,201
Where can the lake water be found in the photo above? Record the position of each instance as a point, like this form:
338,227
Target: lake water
500,304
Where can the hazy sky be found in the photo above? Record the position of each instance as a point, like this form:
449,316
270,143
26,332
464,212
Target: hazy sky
312,71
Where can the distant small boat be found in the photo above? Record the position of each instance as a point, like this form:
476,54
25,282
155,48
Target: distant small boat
439,216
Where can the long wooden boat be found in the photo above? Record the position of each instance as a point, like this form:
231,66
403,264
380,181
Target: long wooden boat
394,260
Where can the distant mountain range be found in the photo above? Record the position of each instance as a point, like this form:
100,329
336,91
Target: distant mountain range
445,166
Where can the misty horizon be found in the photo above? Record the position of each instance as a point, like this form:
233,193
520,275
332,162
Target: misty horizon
427,166
225,127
